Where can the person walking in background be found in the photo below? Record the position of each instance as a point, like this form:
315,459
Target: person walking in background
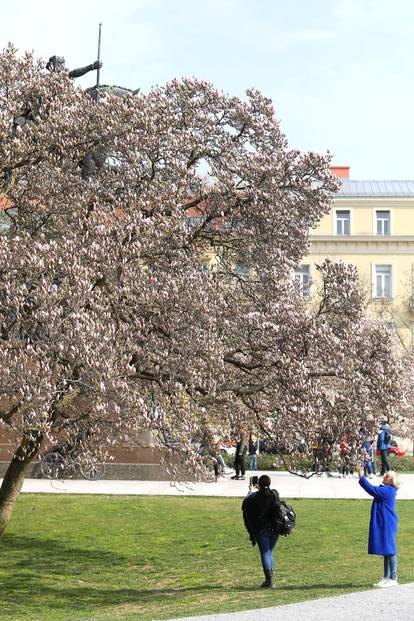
383,446
383,524
344,452
252,453
368,456
316,452
239,464
258,512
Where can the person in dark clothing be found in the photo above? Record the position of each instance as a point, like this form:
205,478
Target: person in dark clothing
258,513
239,464
252,454
383,446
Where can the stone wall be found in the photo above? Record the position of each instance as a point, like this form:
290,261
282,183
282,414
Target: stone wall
140,463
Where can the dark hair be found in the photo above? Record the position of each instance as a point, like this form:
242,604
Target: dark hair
264,481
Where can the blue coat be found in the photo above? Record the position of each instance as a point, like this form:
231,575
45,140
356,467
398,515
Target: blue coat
381,444
384,519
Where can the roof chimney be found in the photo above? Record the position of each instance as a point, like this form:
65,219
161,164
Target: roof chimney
340,171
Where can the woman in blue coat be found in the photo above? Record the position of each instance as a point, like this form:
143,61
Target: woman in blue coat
383,524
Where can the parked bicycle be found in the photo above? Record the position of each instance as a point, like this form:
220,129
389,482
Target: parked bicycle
67,463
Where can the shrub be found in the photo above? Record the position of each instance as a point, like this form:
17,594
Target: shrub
267,461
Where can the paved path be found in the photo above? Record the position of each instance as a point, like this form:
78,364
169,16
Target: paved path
374,605
289,486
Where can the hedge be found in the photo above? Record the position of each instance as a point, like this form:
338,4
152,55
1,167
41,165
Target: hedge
266,461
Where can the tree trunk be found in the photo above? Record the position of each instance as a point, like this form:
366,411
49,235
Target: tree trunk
15,474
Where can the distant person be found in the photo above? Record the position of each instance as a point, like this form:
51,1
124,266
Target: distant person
383,446
210,451
252,454
368,454
345,455
258,514
239,464
316,452
215,452
383,524
221,461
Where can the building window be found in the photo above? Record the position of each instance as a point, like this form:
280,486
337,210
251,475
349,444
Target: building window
383,222
303,280
6,221
343,222
242,270
383,281
194,222
412,286
202,267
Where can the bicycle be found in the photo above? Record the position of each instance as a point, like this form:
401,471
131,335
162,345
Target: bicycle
65,464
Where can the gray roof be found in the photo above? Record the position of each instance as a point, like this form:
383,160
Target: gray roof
350,187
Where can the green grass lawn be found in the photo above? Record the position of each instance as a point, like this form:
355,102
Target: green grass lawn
130,558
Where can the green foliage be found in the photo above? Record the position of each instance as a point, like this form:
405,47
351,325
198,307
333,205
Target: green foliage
78,558
400,464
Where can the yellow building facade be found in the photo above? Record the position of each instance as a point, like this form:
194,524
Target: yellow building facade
371,225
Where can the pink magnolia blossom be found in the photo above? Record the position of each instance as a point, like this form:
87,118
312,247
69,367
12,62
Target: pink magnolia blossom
107,320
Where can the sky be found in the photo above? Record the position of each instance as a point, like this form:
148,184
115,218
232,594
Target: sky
339,72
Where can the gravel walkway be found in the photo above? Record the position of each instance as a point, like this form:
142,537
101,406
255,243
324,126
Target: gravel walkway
374,605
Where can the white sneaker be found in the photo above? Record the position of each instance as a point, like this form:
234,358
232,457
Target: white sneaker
390,583
381,583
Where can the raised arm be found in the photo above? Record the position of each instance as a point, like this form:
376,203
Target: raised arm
77,73
373,490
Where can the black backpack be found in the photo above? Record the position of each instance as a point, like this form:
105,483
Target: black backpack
284,518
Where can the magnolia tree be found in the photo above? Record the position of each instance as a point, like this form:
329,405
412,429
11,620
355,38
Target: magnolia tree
343,376
404,424
107,321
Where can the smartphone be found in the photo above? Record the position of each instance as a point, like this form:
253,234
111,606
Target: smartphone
253,480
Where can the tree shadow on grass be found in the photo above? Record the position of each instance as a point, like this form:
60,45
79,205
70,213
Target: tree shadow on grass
38,573
81,599
38,554
50,574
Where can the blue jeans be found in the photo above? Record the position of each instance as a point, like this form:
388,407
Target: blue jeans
253,462
368,467
266,542
221,461
390,566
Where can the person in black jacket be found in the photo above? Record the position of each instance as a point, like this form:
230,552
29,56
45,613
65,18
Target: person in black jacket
258,514
239,465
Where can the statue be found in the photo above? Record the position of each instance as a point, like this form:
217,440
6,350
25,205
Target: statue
30,110
95,160
28,117
92,161
57,63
